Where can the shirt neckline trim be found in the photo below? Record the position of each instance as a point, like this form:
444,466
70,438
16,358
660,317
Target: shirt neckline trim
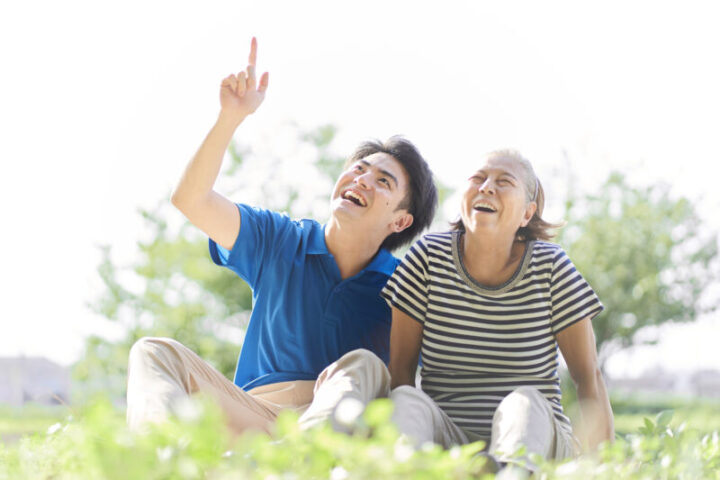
486,289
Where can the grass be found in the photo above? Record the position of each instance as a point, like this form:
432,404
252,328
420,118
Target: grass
699,414
95,444
16,422
702,415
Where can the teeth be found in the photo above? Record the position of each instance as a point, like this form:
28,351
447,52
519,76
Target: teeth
350,194
484,205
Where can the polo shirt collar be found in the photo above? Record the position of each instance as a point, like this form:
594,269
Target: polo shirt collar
316,240
382,262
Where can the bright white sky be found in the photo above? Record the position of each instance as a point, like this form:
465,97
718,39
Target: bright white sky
102,103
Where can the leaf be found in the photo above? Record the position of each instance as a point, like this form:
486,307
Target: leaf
649,426
378,412
663,418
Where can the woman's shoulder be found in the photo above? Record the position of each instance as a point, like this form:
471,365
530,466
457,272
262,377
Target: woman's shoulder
435,238
547,251
432,244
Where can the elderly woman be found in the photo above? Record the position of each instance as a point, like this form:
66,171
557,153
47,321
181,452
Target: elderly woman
488,305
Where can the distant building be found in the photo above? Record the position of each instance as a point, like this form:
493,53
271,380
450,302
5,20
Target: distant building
701,383
706,383
33,379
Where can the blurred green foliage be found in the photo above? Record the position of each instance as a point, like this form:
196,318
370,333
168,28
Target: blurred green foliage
95,443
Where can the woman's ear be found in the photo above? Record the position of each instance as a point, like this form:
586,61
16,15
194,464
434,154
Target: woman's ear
529,212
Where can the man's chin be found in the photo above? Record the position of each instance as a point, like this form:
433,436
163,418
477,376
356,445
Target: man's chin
348,207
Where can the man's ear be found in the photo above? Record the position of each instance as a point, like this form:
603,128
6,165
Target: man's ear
529,212
402,222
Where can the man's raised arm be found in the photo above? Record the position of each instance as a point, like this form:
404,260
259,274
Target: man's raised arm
218,217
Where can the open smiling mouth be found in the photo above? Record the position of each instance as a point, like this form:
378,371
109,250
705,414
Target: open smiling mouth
484,207
355,198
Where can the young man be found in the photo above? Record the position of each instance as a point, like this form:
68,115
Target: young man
315,288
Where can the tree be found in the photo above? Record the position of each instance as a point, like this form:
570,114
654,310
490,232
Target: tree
645,255
173,289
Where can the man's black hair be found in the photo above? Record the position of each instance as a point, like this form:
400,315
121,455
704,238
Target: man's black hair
421,198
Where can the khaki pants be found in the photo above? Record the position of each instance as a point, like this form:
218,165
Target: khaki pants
524,417
358,376
162,372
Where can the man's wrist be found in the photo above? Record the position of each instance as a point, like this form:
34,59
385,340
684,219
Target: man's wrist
231,119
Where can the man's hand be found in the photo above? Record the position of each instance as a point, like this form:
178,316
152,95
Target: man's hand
241,94
218,217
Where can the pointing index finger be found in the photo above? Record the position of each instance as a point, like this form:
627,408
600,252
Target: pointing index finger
252,58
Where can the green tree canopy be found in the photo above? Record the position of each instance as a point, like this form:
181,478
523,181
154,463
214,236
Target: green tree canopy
645,254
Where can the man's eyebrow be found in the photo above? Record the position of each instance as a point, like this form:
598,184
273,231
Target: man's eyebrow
388,174
382,171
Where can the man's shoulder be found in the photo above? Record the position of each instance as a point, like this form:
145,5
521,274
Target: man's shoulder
278,230
280,218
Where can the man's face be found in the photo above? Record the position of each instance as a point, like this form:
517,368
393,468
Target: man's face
370,191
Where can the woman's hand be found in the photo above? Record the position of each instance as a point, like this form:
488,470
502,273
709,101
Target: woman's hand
577,345
241,94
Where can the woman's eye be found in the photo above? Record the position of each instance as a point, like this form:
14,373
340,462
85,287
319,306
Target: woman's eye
385,181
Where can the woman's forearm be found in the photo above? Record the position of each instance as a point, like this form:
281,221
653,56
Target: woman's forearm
597,417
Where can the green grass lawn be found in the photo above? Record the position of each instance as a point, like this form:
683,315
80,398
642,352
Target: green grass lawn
702,415
28,420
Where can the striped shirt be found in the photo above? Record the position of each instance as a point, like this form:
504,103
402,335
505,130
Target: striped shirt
480,343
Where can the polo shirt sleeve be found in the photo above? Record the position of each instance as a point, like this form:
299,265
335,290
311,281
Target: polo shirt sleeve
407,288
573,299
258,245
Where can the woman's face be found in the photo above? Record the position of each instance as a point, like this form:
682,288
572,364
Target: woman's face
495,200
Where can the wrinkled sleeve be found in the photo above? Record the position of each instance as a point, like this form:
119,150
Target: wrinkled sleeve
573,299
262,232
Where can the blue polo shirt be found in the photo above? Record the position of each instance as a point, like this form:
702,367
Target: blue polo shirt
304,315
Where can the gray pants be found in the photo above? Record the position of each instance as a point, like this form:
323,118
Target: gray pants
524,417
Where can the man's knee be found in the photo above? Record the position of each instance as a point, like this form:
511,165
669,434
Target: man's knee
148,349
362,356
360,364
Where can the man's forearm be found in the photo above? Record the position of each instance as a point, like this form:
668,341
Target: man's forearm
201,173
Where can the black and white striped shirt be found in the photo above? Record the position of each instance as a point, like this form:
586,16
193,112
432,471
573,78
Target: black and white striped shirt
480,343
